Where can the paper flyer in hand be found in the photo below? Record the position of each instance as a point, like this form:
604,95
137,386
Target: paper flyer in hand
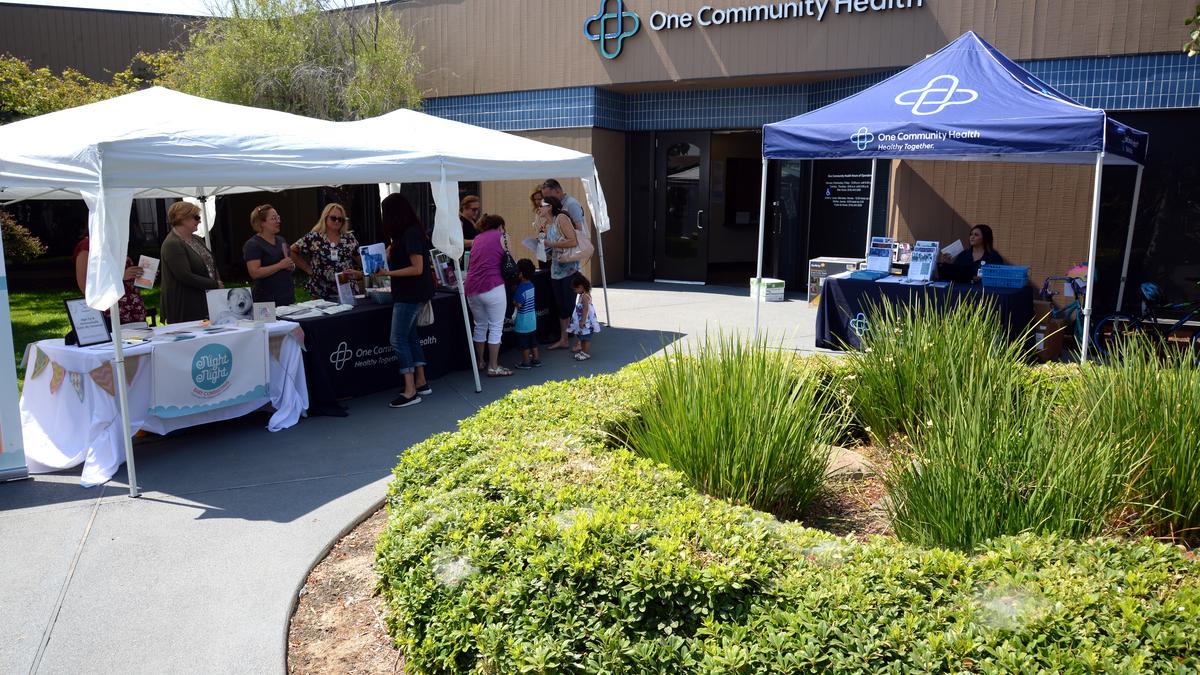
924,258
879,256
149,272
374,258
953,248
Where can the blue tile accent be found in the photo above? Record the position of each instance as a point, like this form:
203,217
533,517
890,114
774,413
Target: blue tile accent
1134,82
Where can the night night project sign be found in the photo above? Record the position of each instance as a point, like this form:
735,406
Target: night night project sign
614,22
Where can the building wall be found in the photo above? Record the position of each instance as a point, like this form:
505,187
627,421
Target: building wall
510,199
544,47
97,43
1040,214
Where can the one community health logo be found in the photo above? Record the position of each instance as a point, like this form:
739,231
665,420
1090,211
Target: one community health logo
862,138
624,25
934,97
211,367
340,356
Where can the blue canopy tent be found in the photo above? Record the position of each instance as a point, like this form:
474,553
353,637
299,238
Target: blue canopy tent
967,102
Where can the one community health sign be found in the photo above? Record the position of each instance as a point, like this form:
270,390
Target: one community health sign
209,372
615,23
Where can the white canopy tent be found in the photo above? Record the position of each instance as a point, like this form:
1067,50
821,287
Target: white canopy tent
161,143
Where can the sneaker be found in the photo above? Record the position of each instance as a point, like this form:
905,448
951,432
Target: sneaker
536,363
424,389
403,401
524,365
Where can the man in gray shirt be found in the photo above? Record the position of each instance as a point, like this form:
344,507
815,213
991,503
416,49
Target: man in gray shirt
571,205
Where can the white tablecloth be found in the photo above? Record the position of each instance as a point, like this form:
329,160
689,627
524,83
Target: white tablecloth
80,422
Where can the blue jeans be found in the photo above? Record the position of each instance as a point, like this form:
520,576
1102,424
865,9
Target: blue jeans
405,340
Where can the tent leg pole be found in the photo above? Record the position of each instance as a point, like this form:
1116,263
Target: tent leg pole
1091,273
603,277
762,228
205,224
870,210
1137,192
462,299
123,399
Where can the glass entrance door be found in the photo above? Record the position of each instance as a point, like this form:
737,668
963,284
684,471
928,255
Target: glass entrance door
681,207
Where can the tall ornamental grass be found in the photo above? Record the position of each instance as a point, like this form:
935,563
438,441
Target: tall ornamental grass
744,422
916,354
988,463
1151,395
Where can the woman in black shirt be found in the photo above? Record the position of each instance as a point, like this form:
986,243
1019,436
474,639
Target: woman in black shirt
268,258
979,251
412,287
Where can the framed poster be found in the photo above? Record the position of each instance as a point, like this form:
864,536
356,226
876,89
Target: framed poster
89,324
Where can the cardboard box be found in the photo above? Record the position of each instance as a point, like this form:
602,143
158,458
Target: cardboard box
772,290
1048,337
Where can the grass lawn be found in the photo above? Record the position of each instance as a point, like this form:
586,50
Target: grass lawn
38,315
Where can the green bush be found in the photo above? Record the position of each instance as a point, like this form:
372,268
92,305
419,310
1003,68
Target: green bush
20,245
916,355
522,543
741,421
1151,396
989,463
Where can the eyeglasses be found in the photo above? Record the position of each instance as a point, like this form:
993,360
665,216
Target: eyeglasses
196,217
337,219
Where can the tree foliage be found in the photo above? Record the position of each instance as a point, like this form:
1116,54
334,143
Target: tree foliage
20,245
307,57
1192,46
27,91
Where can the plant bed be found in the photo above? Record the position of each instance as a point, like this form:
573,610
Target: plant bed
527,542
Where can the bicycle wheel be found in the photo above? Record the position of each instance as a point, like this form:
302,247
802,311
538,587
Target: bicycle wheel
1111,330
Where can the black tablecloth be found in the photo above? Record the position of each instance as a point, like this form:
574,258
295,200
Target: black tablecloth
841,316
350,354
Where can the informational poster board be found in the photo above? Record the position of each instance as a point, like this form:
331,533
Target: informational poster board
879,255
923,262
12,446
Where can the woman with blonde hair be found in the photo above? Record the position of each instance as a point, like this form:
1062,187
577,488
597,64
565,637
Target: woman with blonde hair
188,268
268,259
328,253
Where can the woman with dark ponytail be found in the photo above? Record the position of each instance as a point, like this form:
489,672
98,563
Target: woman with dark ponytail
412,287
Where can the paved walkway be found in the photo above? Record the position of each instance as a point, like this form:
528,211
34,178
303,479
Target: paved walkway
199,573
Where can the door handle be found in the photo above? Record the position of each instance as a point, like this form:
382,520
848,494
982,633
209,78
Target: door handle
699,215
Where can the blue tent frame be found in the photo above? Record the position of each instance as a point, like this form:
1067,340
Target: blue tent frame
966,102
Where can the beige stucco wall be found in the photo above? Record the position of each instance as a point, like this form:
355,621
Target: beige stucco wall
1040,213
480,46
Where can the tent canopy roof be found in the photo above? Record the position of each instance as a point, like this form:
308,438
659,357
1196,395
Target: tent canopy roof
966,102
161,143
166,144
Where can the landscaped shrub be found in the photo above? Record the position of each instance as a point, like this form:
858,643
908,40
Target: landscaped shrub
988,463
741,421
20,245
522,543
1151,395
917,354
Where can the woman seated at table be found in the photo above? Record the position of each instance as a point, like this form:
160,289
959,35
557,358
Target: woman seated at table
188,269
268,259
130,305
979,251
330,250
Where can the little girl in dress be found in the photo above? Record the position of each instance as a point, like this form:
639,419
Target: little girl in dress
583,320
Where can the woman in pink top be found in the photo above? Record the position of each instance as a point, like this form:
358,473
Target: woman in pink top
484,287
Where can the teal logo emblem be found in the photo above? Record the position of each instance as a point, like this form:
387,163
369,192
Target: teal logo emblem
211,367
611,26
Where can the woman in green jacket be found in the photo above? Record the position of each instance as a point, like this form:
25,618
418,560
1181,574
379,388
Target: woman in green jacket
188,269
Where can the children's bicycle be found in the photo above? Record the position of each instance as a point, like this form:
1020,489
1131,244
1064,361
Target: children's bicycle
1115,327
1072,313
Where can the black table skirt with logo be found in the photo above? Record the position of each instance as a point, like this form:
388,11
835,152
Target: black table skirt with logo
350,354
841,316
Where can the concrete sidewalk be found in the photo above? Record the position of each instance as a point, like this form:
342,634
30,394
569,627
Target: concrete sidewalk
198,575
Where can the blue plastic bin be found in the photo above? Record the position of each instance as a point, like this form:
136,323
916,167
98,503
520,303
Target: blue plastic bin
1004,276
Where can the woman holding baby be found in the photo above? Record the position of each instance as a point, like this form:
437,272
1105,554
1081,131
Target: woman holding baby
268,258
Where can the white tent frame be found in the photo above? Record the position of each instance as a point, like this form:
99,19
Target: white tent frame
90,182
1094,231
